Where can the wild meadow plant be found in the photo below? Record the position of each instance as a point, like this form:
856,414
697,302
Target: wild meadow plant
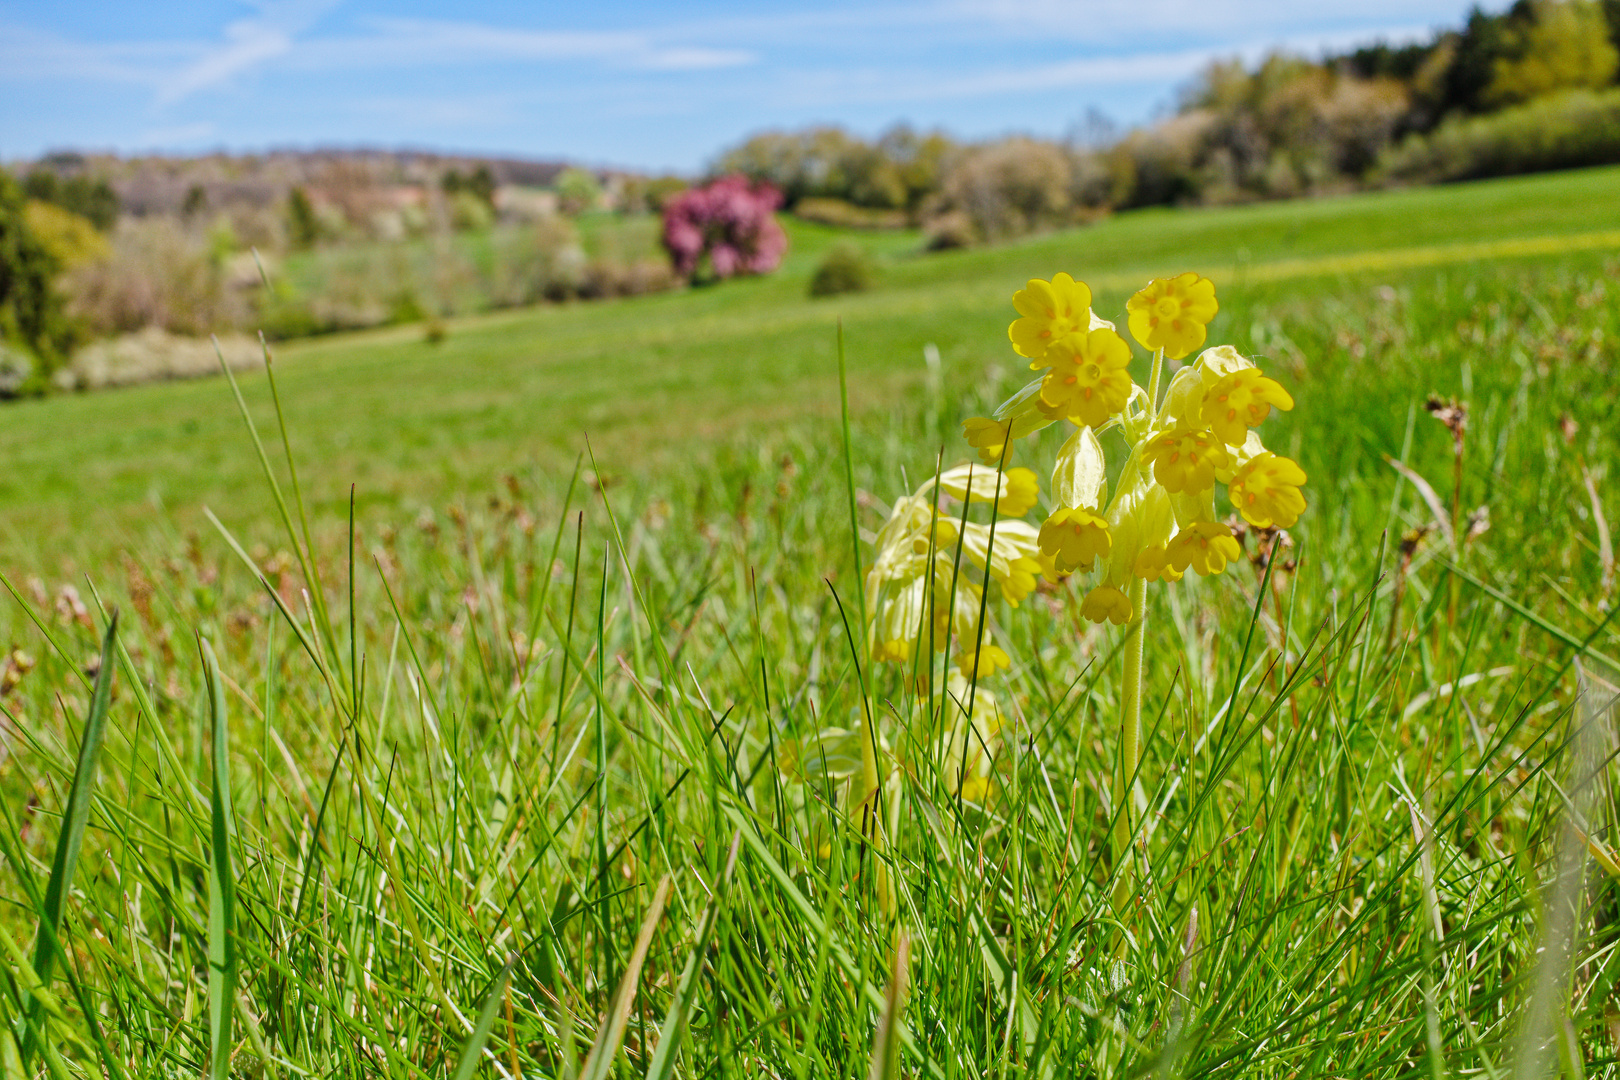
1181,438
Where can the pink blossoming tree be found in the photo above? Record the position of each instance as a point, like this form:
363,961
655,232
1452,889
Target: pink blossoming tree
724,228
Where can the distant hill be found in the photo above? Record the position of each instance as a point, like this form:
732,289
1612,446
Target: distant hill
163,184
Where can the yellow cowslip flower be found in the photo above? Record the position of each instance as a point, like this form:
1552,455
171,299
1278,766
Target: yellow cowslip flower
1154,564
1241,400
988,437
967,747
955,615
1172,313
975,788
1141,516
1013,562
897,619
1184,459
1266,491
1022,414
986,662
1206,546
1054,312
1013,491
910,594
1088,383
1022,492
1075,539
1106,604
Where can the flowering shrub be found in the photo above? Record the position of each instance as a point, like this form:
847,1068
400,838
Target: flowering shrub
724,228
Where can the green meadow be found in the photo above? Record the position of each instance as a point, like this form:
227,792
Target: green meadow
463,711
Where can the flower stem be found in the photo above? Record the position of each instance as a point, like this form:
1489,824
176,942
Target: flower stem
1130,721
1130,743
1153,384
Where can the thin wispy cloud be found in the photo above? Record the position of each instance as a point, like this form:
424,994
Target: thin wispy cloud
29,54
1149,24
438,43
247,46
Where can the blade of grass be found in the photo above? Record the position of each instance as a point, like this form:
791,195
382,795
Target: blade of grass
222,954
815,924
303,550
680,1005
599,1062
474,1046
886,1040
75,816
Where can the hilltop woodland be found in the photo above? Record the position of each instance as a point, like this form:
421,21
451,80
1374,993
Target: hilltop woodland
112,270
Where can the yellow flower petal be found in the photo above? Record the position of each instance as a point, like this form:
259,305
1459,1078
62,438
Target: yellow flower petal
1075,538
1154,564
1185,459
1266,491
1054,312
1206,546
1106,604
1172,313
1019,493
1089,384
989,660
1240,401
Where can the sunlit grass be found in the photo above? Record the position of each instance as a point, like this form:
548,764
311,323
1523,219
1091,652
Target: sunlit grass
528,686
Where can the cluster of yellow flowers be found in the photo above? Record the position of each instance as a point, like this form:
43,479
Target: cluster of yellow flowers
1162,518
919,578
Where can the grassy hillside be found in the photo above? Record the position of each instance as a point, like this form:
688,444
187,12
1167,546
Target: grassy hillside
534,761
410,422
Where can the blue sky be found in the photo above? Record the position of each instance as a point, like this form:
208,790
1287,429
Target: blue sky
652,85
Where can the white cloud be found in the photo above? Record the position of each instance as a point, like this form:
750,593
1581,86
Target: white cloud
27,54
694,59
247,45
974,63
1150,22
414,42
874,86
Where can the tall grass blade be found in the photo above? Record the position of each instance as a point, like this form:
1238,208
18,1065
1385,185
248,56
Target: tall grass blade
1544,1037
222,951
815,925
474,1046
886,1041
849,479
303,550
75,816
680,1005
599,1062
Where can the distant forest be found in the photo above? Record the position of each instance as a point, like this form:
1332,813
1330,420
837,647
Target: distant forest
1527,90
